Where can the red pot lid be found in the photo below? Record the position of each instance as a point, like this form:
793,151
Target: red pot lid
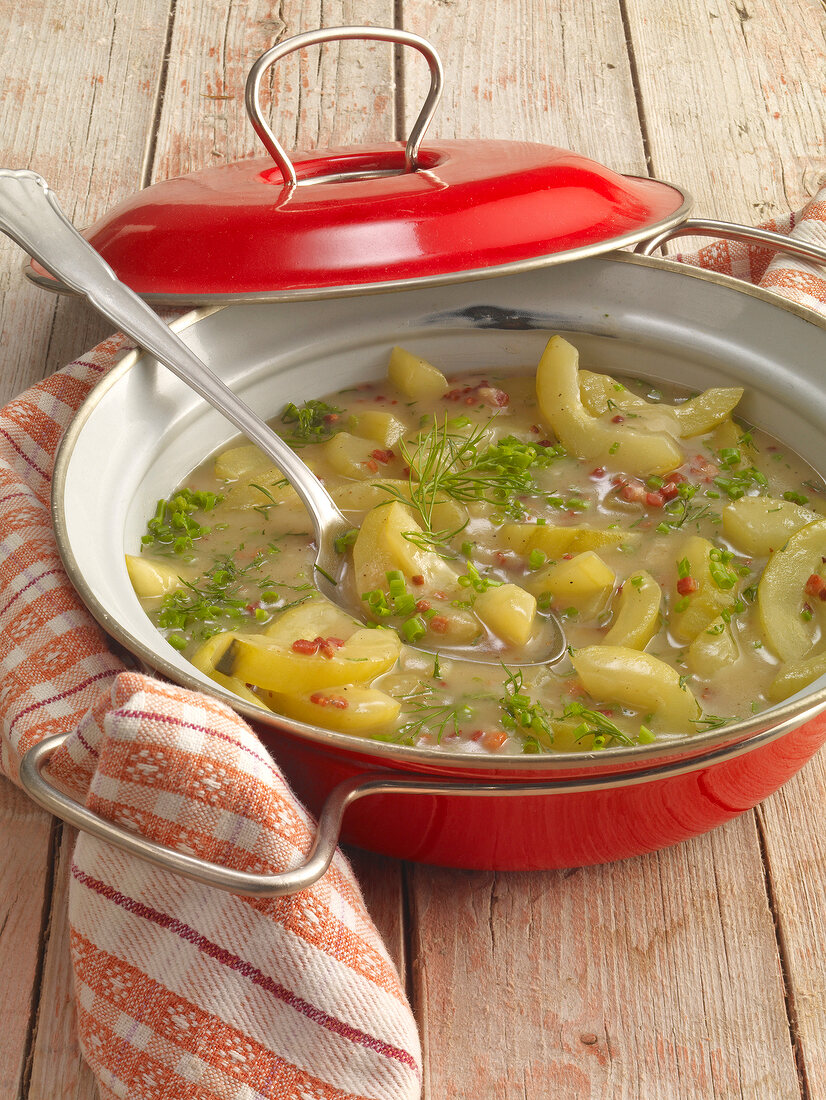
371,217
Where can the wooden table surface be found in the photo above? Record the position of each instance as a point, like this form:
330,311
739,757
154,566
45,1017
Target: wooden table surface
699,971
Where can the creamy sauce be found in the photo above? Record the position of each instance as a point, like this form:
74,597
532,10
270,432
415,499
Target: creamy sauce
247,558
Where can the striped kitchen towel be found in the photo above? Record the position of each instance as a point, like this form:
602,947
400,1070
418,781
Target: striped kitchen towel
182,991
798,280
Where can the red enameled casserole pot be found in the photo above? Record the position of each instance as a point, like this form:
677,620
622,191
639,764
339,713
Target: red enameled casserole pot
463,292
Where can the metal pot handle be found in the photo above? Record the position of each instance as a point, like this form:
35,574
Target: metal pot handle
45,794
729,231
333,34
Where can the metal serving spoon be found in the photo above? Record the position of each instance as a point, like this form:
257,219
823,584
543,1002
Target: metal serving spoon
31,215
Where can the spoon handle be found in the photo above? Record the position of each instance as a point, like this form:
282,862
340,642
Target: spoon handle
31,216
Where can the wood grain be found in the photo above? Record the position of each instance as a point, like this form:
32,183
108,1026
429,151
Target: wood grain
792,825
58,1070
337,94
25,878
531,70
732,99
77,92
656,977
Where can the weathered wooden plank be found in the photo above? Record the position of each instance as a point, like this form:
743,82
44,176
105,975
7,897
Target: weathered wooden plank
330,95
382,885
556,73
77,88
25,877
653,977
792,824
733,100
57,1066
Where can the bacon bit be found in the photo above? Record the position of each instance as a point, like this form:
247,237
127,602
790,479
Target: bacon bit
654,500
567,557
322,700
331,418
633,492
490,395
597,472
422,605
495,739
574,688
310,646
703,468
545,443
328,646
618,419
379,397
382,456
470,400
669,491
417,579
501,557
477,735
816,586
536,429
439,624
686,585
406,472
372,466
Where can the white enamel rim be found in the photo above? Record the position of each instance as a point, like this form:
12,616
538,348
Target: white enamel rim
640,325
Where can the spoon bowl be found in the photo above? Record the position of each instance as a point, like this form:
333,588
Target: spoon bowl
31,215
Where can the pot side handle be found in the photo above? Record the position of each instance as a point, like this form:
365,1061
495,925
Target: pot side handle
323,848
51,798
730,231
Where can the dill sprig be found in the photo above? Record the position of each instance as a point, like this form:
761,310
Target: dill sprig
200,608
428,712
593,722
710,722
445,463
520,714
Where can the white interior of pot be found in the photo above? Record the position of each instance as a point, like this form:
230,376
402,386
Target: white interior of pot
627,316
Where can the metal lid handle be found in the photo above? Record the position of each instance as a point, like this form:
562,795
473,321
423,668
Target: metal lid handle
333,34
